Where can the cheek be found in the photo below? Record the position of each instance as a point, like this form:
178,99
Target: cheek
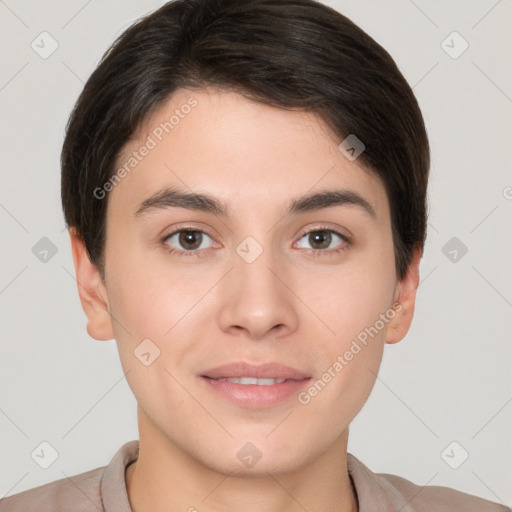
348,361
150,310
349,301
355,307
152,296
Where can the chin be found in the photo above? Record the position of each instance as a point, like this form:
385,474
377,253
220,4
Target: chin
253,459
261,469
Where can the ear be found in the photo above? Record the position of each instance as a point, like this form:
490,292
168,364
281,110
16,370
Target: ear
93,294
404,301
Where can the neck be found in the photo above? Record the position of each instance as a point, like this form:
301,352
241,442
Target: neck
164,478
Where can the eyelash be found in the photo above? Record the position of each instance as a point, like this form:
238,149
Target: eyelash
200,253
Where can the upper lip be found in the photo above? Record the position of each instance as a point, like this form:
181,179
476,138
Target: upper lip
259,371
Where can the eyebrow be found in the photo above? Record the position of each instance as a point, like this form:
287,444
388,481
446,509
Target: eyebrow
173,198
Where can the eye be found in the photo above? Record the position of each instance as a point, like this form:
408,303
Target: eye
321,240
187,241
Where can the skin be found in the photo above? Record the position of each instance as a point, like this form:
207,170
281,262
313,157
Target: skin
287,306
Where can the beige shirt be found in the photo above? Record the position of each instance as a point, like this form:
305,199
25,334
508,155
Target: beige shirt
104,490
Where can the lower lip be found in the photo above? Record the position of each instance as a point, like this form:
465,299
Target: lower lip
254,396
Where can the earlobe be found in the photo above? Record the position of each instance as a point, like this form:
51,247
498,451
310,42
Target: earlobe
92,291
405,299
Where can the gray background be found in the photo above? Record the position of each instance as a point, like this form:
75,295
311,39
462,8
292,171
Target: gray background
449,380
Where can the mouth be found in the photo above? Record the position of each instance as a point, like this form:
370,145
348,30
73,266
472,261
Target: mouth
251,381
255,386
260,372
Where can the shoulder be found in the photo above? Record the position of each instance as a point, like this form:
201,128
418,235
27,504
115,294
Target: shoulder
440,499
393,493
80,493
93,491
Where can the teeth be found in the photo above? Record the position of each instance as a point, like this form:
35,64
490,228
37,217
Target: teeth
253,381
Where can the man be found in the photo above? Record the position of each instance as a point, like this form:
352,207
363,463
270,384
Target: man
244,184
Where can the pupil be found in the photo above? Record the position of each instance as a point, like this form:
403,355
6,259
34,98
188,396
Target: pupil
190,239
323,238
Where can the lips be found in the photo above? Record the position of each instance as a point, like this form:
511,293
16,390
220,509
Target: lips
255,386
247,374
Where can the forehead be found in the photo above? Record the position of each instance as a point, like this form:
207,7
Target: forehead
245,153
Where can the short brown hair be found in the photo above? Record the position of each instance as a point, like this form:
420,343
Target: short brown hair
286,53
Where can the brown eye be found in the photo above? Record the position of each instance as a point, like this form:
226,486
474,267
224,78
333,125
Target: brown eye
190,240
323,240
187,240
320,239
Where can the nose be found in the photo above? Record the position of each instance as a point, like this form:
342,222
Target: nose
257,299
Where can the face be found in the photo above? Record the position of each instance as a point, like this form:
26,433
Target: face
238,273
